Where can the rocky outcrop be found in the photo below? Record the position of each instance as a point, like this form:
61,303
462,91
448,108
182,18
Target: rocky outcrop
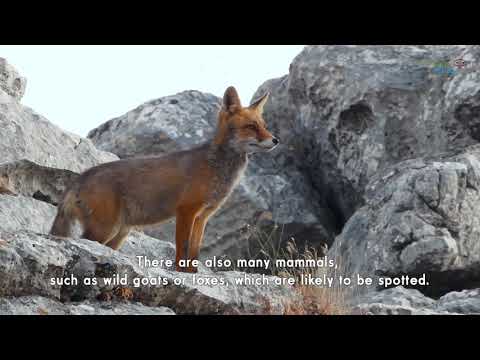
28,135
28,262
388,144
37,305
379,151
420,217
160,126
350,111
401,301
11,82
20,212
39,182
271,194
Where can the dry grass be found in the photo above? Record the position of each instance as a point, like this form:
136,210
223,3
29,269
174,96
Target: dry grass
316,301
313,299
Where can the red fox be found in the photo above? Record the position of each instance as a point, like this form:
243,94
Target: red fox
191,185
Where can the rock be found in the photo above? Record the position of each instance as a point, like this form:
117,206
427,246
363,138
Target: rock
42,183
420,217
37,305
160,126
402,301
27,135
347,112
463,302
20,212
397,301
10,80
28,262
183,120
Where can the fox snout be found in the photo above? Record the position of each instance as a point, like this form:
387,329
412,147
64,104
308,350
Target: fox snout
269,143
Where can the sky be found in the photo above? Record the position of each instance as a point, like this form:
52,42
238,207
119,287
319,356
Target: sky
80,87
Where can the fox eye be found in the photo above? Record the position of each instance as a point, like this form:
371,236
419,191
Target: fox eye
251,127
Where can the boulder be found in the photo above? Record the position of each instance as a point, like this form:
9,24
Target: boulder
402,301
39,182
28,135
420,217
29,261
37,305
348,112
463,302
396,301
21,212
160,126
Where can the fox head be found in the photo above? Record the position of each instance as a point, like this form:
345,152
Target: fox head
243,128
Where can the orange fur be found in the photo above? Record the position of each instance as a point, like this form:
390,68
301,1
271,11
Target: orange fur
190,185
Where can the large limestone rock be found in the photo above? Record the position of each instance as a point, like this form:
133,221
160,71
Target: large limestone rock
28,262
350,116
28,135
30,179
420,216
401,301
349,111
37,305
20,212
269,194
160,126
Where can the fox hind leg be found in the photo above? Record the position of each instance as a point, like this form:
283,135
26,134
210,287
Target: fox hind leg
62,225
100,232
117,241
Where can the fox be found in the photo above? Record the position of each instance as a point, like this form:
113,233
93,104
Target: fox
110,199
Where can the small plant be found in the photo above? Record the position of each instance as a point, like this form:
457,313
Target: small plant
313,300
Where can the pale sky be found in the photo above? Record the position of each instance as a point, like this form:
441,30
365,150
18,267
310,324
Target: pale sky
80,87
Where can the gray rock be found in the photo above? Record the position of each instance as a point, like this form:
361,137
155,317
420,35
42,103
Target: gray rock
42,183
28,262
37,305
266,196
160,126
348,112
10,80
463,302
397,301
402,301
20,212
28,135
420,217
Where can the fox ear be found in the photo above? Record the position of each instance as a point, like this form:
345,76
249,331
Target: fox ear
231,100
260,103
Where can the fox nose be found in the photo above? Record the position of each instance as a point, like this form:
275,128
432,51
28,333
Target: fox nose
275,141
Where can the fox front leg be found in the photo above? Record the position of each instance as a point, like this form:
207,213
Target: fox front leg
186,218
